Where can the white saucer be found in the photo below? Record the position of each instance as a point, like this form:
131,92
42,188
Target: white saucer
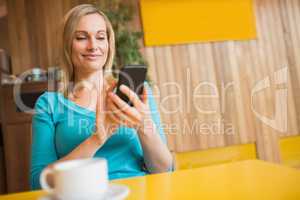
114,192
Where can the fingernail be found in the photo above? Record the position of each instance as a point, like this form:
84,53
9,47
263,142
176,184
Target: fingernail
122,87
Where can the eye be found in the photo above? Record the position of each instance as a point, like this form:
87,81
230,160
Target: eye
80,38
101,38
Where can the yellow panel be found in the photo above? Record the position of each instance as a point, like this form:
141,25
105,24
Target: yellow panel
185,21
290,151
195,159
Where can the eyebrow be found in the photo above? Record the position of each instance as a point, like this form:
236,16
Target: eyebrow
81,31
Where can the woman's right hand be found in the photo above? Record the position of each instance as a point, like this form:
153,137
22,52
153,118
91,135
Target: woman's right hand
105,125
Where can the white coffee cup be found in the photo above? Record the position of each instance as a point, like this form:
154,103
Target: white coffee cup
77,179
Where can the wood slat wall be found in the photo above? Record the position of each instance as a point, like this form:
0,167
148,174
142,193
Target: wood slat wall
4,41
229,70
33,29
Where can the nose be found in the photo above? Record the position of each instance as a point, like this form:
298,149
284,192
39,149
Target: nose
92,44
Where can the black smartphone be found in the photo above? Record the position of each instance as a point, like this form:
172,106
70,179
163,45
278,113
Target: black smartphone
134,77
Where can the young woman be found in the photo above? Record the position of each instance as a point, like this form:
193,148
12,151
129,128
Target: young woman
86,119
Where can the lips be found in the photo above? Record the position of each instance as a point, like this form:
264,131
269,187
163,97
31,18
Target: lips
91,56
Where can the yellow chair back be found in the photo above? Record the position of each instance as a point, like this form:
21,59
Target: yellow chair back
195,159
290,151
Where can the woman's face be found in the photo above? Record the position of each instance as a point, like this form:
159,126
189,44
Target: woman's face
90,44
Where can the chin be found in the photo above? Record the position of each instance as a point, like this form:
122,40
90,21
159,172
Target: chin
95,67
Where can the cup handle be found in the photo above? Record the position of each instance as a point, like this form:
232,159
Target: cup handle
43,180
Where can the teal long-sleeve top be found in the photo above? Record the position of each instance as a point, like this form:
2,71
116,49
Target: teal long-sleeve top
60,125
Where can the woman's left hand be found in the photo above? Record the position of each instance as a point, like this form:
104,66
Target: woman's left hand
137,116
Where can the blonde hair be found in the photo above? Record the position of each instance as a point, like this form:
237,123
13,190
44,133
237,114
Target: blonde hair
68,29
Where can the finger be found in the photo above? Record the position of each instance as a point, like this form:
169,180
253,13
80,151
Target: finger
100,106
133,97
124,107
112,86
110,79
145,95
117,120
114,119
127,119
100,131
110,112
111,106
121,118
98,111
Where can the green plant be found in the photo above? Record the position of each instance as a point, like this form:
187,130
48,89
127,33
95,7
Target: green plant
127,41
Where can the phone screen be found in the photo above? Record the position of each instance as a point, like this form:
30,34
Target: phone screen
134,77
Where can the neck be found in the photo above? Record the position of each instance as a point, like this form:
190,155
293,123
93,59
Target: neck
88,80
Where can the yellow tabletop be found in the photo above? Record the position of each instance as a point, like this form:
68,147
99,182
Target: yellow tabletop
247,180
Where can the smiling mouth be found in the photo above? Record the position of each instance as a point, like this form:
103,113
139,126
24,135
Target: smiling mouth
91,57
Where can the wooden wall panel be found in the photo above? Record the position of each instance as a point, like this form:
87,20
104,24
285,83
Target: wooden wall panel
4,36
16,138
290,15
33,30
3,7
20,48
2,172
